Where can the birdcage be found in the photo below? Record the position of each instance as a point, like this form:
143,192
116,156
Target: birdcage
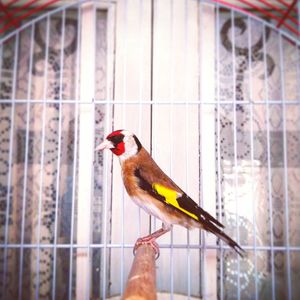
212,90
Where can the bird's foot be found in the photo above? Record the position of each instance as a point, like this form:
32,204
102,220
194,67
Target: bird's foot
147,241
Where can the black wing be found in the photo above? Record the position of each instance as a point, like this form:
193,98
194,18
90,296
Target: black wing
183,203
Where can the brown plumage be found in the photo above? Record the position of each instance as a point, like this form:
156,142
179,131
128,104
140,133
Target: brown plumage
151,189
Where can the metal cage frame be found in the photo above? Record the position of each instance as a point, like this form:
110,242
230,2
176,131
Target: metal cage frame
118,101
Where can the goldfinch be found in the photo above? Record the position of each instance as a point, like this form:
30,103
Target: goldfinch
152,190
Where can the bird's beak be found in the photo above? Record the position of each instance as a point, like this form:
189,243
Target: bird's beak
104,145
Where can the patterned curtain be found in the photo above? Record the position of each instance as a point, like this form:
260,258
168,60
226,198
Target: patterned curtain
40,202
250,70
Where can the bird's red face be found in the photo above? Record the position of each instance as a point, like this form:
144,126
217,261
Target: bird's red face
122,143
115,142
117,139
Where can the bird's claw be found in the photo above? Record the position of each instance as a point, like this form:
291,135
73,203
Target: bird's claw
145,241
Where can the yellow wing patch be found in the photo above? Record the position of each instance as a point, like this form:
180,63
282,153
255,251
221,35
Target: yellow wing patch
171,198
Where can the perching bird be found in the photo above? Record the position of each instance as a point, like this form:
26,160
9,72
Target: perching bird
152,190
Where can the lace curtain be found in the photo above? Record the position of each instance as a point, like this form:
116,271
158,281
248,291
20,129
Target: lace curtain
252,71
40,203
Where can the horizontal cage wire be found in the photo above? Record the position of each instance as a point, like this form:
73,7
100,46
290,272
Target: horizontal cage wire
211,90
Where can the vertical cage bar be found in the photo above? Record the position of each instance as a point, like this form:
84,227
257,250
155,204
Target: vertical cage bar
200,108
252,153
235,151
40,192
154,88
186,92
70,296
286,192
92,152
90,238
152,91
26,146
171,52
107,169
85,150
269,161
208,178
57,187
141,81
219,143
125,99
106,172
41,179
11,145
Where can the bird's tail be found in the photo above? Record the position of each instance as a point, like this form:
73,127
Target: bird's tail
224,237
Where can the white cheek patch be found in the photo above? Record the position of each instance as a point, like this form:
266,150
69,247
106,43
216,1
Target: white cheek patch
131,148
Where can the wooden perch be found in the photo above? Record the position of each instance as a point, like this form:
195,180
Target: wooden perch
141,282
